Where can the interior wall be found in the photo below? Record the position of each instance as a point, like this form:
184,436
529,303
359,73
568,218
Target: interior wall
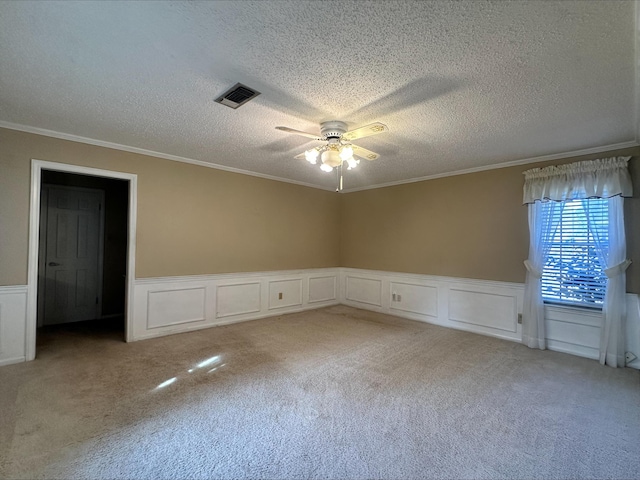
191,219
196,220
468,226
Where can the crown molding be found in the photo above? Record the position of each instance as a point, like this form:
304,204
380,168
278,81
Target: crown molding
176,158
514,163
150,153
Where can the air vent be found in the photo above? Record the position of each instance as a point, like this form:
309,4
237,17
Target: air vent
237,95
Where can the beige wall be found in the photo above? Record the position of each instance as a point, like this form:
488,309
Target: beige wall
195,220
191,219
470,226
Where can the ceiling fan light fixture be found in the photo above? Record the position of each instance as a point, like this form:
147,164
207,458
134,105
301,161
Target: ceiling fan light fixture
338,150
331,158
311,156
346,152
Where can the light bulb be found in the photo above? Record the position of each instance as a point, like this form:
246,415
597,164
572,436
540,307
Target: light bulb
346,153
311,156
326,168
353,163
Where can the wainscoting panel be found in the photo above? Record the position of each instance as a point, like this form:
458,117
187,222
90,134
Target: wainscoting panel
285,293
367,291
633,329
13,321
176,306
413,298
580,316
237,299
573,330
480,306
573,333
322,289
169,305
484,309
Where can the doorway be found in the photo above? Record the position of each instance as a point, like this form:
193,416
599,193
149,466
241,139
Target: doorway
68,195
83,249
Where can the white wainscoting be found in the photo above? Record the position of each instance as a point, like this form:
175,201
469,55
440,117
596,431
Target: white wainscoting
573,330
285,293
485,307
323,288
234,299
412,298
633,329
577,330
168,305
175,306
480,306
363,290
13,321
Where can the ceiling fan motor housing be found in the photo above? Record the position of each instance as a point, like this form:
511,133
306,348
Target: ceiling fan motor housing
333,129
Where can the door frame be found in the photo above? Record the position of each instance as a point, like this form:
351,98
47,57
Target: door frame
42,248
37,166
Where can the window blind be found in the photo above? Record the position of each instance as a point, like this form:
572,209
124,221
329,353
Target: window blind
572,273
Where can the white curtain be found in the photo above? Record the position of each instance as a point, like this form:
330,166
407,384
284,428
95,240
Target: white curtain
542,228
613,256
604,178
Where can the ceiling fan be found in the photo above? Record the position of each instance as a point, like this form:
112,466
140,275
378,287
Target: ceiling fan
338,148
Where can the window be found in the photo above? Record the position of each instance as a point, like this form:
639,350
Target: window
572,273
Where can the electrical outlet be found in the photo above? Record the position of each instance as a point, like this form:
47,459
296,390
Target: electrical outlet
399,297
280,296
393,297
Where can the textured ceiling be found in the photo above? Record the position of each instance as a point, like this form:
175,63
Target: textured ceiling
460,85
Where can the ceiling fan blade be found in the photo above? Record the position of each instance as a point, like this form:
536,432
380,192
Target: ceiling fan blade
298,132
364,153
300,156
366,131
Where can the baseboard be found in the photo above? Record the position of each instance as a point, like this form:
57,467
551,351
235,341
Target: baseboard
11,361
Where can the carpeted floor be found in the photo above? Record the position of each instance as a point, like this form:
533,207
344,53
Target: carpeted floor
331,393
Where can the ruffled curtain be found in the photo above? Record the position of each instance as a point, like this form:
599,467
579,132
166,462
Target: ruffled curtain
604,178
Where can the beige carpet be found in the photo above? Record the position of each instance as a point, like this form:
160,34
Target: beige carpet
332,393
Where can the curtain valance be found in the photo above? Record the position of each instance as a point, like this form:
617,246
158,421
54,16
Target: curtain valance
601,178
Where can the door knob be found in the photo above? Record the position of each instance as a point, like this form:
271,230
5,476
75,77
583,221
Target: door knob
54,264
